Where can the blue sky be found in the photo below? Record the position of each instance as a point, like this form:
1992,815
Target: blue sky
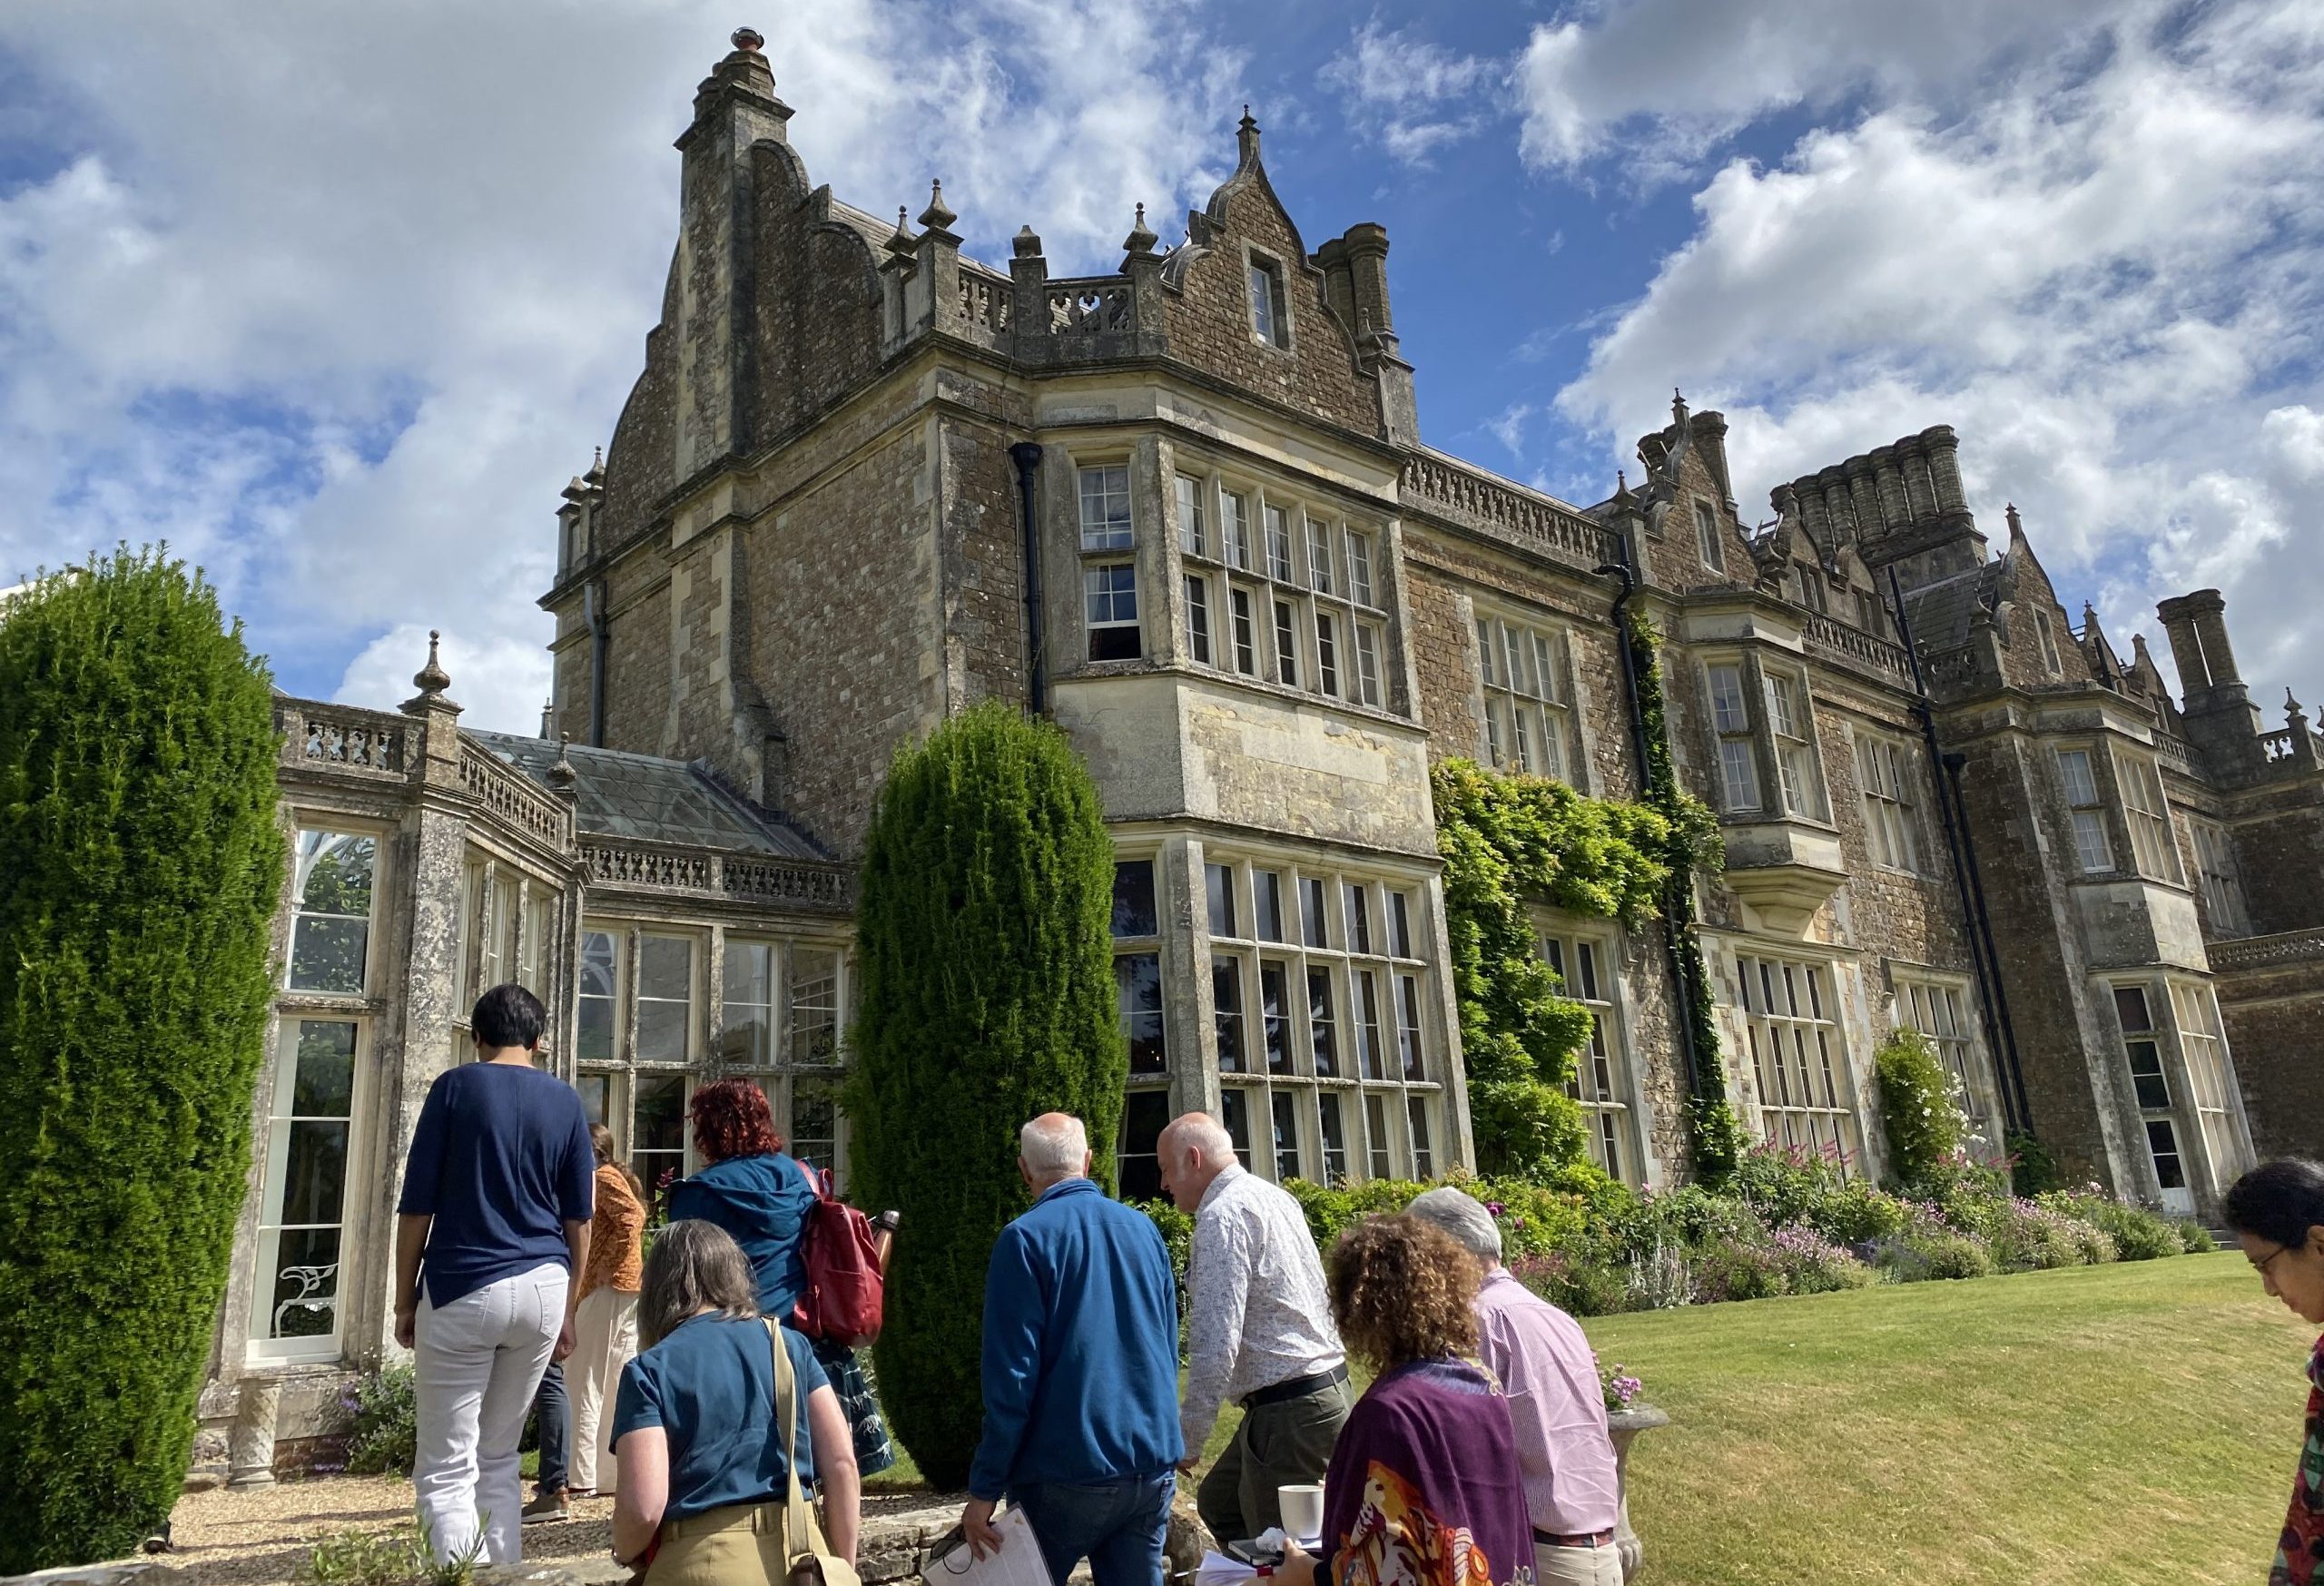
337,297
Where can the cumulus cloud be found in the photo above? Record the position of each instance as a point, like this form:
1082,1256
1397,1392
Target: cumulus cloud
1414,96
2100,265
335,297
1663,80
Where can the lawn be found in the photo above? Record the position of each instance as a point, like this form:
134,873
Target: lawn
2126,1423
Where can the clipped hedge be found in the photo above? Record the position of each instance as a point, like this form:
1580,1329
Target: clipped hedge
140,867
986,997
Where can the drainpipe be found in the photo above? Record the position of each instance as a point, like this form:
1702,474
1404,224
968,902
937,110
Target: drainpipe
1027,455
1677,907
1953,815
593,611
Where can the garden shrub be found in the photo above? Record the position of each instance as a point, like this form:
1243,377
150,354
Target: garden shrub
1813,1265
2033,1172
2194,1239
987,997
140,867
1738,1266
2139,1234
1926,1251
1580,1285
384,1438
1857,1213
1917,1112
2025,1236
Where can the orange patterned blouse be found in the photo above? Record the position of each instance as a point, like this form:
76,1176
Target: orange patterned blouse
614,1260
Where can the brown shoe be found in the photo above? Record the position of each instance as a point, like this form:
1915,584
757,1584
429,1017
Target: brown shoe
545,1506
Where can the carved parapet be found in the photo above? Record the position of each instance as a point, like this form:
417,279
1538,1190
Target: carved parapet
371,745
1475,500
661,867
1838,642
515,797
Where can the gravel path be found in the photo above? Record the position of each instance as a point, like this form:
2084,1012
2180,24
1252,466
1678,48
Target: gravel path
260,1536
263,1535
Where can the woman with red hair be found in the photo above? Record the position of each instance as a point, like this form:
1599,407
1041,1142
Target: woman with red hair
762,1197
749,1187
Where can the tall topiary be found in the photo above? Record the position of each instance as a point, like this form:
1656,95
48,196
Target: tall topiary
139,868
987,997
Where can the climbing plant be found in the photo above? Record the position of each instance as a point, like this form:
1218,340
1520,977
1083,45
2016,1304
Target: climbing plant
1508,840
1692,844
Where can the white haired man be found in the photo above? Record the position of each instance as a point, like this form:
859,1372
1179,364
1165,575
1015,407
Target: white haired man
1260,1333
1080,1372
1559,1411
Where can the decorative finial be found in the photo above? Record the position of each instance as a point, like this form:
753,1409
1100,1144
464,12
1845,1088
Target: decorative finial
1621,482
902,240
1027,245
936,215
748,40
2291,705
432,680
1246,139
2016,530
1677,407
1141,238
561,774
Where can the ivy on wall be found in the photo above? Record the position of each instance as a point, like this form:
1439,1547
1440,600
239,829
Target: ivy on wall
1714,1134
1508,842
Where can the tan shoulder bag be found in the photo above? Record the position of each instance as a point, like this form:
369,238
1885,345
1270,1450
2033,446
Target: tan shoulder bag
812,1561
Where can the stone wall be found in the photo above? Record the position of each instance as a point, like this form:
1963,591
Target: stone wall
2272,1016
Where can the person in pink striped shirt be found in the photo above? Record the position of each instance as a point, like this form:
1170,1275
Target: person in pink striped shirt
1556,1406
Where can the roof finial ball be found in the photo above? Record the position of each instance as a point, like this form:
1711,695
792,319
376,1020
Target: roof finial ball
749,40
432,680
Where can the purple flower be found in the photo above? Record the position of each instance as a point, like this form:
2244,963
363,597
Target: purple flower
1494,1207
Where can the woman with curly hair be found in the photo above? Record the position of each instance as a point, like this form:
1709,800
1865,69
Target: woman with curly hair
1424,1487
753,1190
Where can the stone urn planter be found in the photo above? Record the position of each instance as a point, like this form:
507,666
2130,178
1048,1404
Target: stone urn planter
1625,1426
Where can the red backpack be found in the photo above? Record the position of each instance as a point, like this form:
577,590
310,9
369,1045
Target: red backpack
845,1288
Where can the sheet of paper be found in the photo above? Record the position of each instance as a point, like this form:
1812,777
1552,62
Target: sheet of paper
1017,1564
1218,1570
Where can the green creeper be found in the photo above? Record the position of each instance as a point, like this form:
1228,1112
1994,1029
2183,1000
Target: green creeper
140,866
987,997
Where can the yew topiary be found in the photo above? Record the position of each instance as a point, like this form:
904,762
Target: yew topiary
139,870
986,997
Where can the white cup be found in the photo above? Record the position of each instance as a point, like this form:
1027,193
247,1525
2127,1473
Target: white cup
1302,1511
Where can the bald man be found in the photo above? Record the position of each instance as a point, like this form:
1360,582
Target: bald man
1259,1331
1080,1372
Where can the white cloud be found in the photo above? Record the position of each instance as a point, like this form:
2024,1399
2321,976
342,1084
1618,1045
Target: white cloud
1416,97
1666,79
337,297
2101,267
1508,427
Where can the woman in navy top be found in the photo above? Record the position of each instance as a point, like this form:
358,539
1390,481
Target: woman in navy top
704,1467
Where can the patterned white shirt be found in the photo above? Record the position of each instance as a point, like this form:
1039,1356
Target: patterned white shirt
1260,1313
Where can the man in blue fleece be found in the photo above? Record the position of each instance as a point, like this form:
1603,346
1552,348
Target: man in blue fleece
1080,1372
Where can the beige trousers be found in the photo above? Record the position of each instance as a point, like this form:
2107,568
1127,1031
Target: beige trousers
1555,1566
605,1337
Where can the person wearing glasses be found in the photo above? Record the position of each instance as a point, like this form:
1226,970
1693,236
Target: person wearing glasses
2276,1211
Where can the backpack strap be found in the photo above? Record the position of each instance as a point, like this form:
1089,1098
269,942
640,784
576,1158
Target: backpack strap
797,1539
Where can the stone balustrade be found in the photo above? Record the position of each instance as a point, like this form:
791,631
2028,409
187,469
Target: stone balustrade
2257,952
985,301
321,737
1835,640
1091,306
1471,498
514,797
664,868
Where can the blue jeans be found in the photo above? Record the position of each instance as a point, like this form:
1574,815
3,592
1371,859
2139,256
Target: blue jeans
557,1428
1118,1525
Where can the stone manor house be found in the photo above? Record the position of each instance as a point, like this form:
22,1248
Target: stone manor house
1186,510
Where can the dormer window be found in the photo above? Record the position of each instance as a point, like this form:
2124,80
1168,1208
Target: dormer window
1270,323
1811,589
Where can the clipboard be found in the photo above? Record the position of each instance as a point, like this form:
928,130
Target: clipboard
1017,1564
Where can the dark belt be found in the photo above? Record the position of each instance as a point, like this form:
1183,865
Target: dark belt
1596,1539
1298,1387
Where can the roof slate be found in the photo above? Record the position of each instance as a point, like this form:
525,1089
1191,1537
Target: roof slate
644,796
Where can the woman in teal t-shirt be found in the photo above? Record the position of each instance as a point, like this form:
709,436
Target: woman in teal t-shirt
704,1459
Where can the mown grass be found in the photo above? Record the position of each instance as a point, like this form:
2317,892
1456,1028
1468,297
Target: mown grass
2135,1423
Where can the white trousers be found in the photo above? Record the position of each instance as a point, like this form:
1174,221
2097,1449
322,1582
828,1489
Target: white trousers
480,1361
605,1331
1556,1566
